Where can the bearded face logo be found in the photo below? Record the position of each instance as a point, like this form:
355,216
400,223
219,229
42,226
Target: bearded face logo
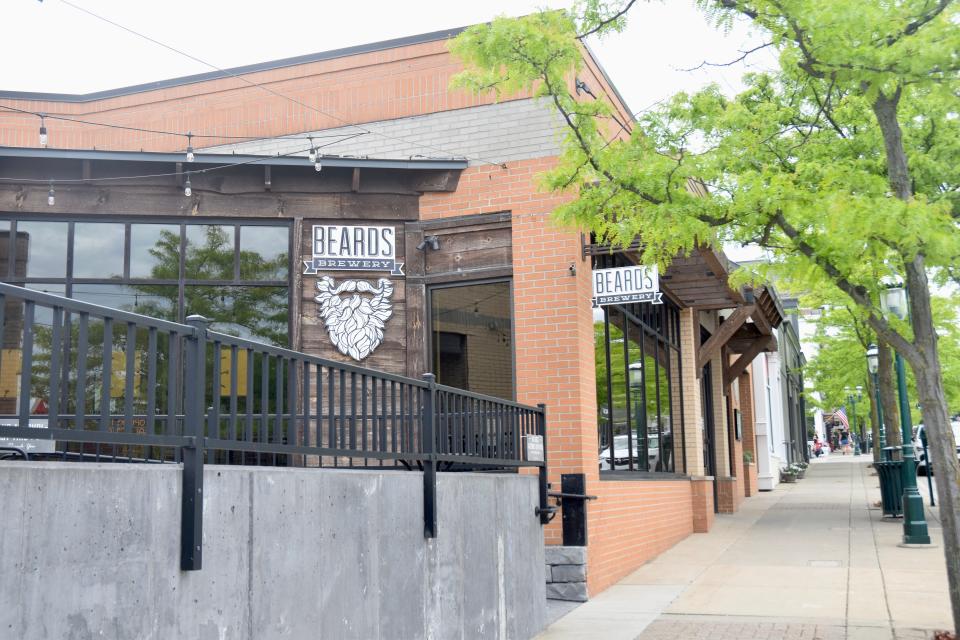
355,322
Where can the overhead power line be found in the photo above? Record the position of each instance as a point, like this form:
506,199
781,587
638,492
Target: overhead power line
262,87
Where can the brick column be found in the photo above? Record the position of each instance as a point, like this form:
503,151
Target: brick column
692,407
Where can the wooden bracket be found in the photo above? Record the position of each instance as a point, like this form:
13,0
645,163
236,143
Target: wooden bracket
735,370
722,335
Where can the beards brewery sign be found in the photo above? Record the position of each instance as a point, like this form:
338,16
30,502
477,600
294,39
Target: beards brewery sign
353,248
354,311
624,285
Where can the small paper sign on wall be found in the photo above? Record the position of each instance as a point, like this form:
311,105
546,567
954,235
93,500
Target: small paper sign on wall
625,285
534,448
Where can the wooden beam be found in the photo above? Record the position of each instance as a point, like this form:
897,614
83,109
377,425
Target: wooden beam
760,320
734,371
724,332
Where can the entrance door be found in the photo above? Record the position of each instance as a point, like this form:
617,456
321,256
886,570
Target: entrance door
709,444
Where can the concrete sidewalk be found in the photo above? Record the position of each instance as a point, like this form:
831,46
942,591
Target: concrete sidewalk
811,560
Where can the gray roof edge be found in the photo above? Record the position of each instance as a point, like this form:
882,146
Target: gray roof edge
231,159
609,81
382,45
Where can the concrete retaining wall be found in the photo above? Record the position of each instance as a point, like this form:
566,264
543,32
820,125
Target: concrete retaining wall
92,551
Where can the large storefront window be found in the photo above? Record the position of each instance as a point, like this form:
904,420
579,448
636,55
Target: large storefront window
637,357
471,337
235,274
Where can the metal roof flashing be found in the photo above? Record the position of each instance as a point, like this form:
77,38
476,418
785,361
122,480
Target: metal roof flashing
221,159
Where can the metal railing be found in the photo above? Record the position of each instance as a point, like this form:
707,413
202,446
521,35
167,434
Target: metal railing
123,387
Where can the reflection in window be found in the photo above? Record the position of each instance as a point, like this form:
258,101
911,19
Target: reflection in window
158,301
155,251
637,364
472,337
263,253
210,252
46,248
97,250
256,313
252,301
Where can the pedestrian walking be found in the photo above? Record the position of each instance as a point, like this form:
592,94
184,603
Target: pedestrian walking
845,442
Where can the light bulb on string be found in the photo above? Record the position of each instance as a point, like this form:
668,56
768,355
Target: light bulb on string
190,155
187,191
43,132
313,151
317,164
51,197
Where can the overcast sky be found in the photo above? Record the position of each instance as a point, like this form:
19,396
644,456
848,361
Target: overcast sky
51,46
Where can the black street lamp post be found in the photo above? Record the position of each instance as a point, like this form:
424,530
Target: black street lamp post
894,301
873,365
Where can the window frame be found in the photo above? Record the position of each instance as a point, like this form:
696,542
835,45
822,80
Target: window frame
68,281
659,325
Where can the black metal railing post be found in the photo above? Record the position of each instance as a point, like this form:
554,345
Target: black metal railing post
429,445
546,513
191,516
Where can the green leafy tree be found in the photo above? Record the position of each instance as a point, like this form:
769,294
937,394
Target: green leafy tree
843,162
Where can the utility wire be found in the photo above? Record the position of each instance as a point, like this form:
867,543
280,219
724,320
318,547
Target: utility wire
175,173
48,116
260,86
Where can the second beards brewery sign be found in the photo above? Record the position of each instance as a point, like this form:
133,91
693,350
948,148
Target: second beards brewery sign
354,311
624,285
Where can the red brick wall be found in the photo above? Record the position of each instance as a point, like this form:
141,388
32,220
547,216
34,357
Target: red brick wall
632,522
702,504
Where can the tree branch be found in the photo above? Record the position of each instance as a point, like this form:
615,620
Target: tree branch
914,26
605,21
732,62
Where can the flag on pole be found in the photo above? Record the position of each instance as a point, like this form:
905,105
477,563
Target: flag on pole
841,415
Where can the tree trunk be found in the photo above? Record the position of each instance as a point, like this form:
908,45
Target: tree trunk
925,361
940,442
891,416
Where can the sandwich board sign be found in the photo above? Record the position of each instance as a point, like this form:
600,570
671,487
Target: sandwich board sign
626,285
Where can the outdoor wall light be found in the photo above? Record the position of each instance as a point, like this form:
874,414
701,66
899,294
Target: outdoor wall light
432,241
51,198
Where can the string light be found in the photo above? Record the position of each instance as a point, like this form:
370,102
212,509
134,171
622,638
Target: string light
190,155
43,132
313,151
51,197
220,167
187,191
317,164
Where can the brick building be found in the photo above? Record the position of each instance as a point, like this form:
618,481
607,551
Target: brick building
649,406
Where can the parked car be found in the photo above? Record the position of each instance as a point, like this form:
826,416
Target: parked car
922,465
621,453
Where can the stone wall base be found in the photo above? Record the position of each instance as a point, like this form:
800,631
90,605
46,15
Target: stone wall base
566,573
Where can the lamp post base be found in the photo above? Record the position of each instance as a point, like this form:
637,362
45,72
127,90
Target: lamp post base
914,522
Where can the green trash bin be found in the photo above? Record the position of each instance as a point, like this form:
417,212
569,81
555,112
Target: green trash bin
891,487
